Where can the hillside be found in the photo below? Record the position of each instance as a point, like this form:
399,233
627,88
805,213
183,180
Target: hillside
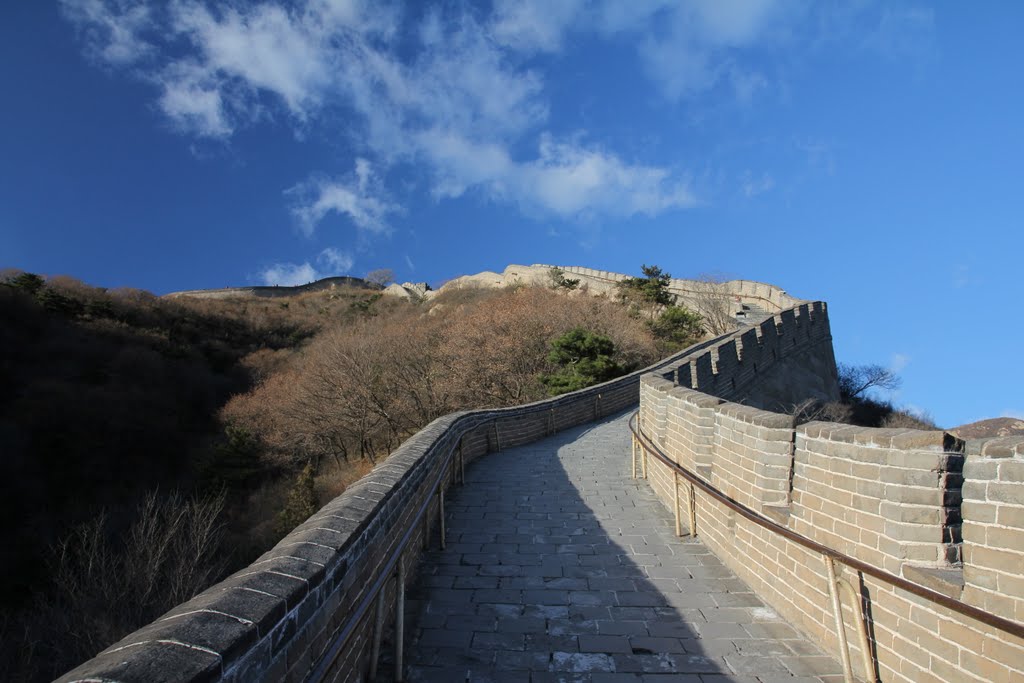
996,426
109,396
148,431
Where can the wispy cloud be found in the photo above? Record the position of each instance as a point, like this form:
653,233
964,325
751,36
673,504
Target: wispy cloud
330,262
573,180
112,32
961,276
567,178
457,103
289,274
360,197
336,261
455,93
903,32
899,362
753,186
534,25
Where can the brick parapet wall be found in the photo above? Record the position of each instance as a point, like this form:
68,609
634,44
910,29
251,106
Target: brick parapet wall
993,526
275,619
888,497
885,496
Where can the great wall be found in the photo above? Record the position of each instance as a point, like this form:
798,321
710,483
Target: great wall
899,552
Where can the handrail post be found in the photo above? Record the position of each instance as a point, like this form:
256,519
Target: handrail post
426,525
634,456
378,632
400,621
865,643
440,515
462,464
693,510
675,503
837,611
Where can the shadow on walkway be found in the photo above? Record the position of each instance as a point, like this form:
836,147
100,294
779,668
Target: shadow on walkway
560,567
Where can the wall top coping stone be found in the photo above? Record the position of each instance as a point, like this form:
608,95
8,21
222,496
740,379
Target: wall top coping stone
756,416
694,397
997,447
901,439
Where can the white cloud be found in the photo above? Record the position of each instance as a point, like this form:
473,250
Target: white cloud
533,24
574,181
458,96
336,261
112,30
1015,414
193,102
731,22
360,197
331,262
702,41
289,274
265,48
567,179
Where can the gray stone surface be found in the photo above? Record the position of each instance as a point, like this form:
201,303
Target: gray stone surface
560,567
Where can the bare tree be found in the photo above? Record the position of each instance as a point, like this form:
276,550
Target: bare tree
854,380
714,304
381,276
104,589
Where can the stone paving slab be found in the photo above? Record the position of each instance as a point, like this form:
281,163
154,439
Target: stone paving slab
561,568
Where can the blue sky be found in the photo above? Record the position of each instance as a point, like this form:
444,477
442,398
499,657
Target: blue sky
864,153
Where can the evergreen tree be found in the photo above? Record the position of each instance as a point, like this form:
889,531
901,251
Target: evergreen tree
584,358
648,293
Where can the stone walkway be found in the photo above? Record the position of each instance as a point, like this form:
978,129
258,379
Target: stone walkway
560,567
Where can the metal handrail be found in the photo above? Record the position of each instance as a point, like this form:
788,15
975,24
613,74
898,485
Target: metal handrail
1006,625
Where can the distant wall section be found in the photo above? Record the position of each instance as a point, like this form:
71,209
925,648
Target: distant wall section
326,284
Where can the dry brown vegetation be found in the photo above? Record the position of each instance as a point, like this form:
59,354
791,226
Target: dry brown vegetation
269,406
356,392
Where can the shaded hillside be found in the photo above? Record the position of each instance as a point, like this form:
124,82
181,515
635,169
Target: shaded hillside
109,394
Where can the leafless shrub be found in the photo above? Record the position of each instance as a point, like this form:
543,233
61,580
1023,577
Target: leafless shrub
907,420
381,276
104,588
714,304
813,410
